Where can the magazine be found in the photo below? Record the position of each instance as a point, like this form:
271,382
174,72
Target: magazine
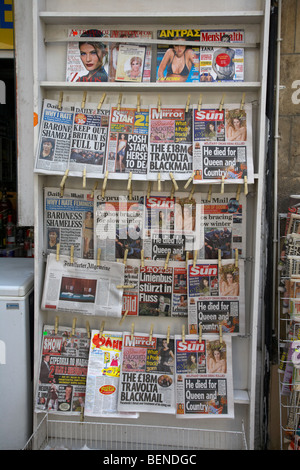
222,142
62,370
103,375
178,63
222,62
216,296
83,286
89,140
204,382
128,143
69,221
147,374
170,144
130,63
53,150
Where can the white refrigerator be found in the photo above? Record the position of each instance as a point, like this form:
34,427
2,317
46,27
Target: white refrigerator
16,351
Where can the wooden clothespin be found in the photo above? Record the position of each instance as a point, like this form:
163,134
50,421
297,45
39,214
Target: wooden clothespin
219,258
125,256
200,333
236,258
188,103
84,178
174,181
200,102
142,258
222,102
123,317
245,185
93,190
167,260
57,251
125,286
209,193
74,326
149,188
158,183
158,104
63,182
172,192
61,96
138,106
98,256
88,329
238,192
56,325
119,102
187,255
168,335
101,328
183,333
222,184
189,180
132,331
195,258
221,334
104,183
192,192
101,101
83,100
242,102
72,254
129,185
151,332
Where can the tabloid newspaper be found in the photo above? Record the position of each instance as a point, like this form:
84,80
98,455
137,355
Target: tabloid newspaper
103,375
170,143
89,140
118,225
130,63
204,383
147,374
216,296
222,143
62,370
127,150
156,290
83,286
69,221
222,62
178,62
293,333
53,150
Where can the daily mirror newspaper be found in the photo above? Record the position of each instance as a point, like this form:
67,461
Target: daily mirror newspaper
83,286
103,375
147,374
216,296
204,383
63,370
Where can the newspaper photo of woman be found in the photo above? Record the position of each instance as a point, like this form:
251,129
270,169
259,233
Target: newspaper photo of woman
93,55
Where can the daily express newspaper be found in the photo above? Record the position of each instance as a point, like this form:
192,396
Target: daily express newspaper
170,143
127,150
204,383
216,296
53,150
62,371
83,286
222,143
147,374
89,140
118,224
155,290
69,221
103,375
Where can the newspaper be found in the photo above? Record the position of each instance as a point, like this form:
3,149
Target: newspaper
89,140
170,146
178,63
62,370
128,143
103,375
216,297
83,286
118,225
53,150
69,221
147,374
204,382
222,142
130,63
223,62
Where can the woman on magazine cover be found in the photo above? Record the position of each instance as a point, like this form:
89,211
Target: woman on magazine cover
93,55
178,60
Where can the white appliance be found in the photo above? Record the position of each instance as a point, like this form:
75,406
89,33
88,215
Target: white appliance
16,351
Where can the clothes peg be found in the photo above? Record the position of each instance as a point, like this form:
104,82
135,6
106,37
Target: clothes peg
142,258
101,101
72,254
222,103
149,189
238,192
84,178
242,102
183,333
200,333
93,190
187,255
138,106
191,192
172,192
167,260
83,100
158,104
88,329
74,326
125,256
123,317
125,286
158,182
104,183
63,182
209,193
219,259
119,102
61,95
222,184
132,331
98,256
245,185
168,335
101,328
151,332
56,325
236,258
188,103
221,334
57,251
189,180
200,103
195,258
174,182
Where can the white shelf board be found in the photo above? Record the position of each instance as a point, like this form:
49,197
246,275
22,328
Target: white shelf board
241,397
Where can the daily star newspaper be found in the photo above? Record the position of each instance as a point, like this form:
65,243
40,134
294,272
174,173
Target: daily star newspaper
204,383
103,375
127,150
170,143
69,221
62,371
147,374
83,286
53,150
89,140
216,296
222,144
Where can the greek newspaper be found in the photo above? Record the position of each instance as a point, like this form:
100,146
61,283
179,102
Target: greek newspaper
216,296
103,376
62,371
83,286
53,150
204,383
222,144
147,374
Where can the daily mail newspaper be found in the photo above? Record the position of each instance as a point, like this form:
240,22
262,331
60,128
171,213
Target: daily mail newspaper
103,375
216,296
83,286
62,371
170,143
89,140
118,224
127,150
204,383
222,144
147,374
69,221
53,149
